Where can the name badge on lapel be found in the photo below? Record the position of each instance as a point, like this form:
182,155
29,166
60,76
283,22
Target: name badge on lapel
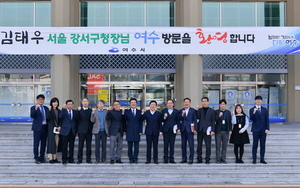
223,121
240,125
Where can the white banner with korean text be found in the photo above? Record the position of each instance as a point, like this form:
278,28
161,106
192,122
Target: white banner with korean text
149,40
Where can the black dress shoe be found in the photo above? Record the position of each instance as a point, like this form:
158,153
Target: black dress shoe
119,161
37,162
112,161
172,161
89,161
165,161
64,162
207,162
43,160
190,162
131,162
156,162
97,161
147,162
218,161
241,161
136,162
263,161
199,161
71,161
254,162
79,162
51,161
224,161
56,161
183,161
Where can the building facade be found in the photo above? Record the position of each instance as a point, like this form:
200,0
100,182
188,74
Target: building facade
236,78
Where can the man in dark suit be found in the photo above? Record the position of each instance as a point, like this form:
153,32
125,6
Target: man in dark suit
222,130
260,127
170,119
188,127
206,128
134,130
84,130
39,128
116,132
68,130
100,130
152,131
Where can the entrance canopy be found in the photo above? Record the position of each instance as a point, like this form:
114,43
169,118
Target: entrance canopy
150,40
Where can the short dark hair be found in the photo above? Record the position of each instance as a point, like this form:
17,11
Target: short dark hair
102,101
69,101
258,97
84,98
222,101
133,99
170,100
187,99
116,101
54,99
153,102
40,96
205,98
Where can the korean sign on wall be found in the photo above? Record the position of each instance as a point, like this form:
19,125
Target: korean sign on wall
150,40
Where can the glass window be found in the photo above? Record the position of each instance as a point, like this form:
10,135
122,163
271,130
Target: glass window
95,92
271,77
43,14
42,78
211,77
97,14
210,14
159,14
238,14
94,77
20,14
127,14
239,77
213,93
128,77
159,77
159,93
16,77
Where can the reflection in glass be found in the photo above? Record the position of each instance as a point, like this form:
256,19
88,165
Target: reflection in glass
239,77
127,77
159,77
213,93
159,93
127,14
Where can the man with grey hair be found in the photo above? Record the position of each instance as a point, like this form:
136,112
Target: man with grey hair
100,130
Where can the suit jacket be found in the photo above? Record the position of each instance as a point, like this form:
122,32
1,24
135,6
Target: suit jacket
51,119
207,120
153,126
219,121
260,120
170,121
96,122
37,118
117,122
84,121
68,124
187,120
133,125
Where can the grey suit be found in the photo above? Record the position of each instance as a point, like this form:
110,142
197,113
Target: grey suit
100,136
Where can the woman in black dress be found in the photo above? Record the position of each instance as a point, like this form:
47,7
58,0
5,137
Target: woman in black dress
239,135
53,120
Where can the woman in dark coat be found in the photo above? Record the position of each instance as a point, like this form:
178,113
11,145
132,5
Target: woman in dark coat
53,120
239,135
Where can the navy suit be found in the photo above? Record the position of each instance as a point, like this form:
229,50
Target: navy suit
68,132
205,121
40,131
84,130
133,129
186,133
153,128
168,133
259,125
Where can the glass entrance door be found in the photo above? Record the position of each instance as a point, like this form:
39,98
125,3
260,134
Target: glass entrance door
125,92
15,102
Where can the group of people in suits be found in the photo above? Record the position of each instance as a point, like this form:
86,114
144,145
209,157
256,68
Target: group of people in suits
61,127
